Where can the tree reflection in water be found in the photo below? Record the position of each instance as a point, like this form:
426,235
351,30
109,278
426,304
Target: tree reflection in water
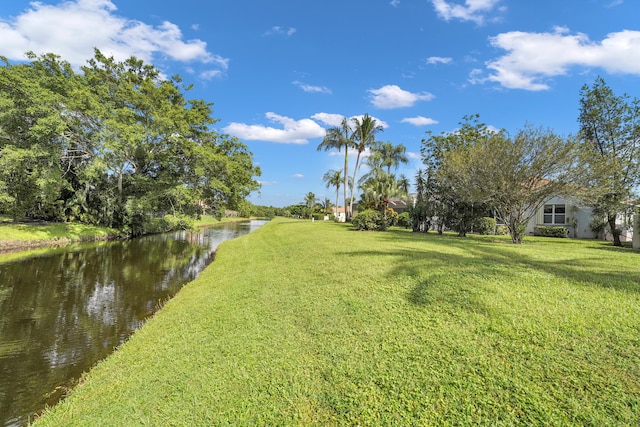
62,312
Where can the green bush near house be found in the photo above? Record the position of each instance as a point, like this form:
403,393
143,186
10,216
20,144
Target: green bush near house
502,230
369,220
404,220
486,226
550,231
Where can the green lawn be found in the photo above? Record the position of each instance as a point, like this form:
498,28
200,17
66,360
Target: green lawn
303,323
21,236
207,220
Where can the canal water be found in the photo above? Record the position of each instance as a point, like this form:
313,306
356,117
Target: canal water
65,309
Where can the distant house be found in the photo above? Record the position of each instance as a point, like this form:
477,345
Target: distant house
399,206
577,218
339,213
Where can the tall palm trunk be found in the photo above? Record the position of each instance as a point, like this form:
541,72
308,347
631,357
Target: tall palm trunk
347,216
353,184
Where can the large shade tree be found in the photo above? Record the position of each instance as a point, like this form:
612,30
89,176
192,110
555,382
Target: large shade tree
609,150
113,145
456,208
509,176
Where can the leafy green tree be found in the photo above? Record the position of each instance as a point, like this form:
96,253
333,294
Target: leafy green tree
513,177
338,138
32,125
456,207
609,150
113,145
421,213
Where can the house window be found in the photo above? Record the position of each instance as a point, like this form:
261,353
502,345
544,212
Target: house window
554,214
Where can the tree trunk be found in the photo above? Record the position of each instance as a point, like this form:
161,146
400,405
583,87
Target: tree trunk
346,180
615,232
516,233
353,184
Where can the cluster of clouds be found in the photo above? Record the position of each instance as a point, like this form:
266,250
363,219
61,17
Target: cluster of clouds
530,60
533,58
291,131
73,28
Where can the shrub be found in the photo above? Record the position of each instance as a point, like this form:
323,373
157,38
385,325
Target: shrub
486,225
502,230
392,217
545,231
369,220
404,220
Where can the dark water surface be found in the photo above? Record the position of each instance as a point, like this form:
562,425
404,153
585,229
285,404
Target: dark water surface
66,309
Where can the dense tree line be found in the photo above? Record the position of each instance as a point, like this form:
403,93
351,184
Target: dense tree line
477,171
114,144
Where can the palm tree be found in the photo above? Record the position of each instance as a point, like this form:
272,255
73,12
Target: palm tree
385,155
364,136
310,202
333,178
326,206
379,189
403,185
339,137
391,155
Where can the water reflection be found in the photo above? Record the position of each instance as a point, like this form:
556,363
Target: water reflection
62,312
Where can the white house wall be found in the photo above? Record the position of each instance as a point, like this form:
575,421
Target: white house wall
577,218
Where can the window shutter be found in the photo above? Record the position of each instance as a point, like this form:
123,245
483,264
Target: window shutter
540,216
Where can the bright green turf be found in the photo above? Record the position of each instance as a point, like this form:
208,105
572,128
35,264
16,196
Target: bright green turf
303,323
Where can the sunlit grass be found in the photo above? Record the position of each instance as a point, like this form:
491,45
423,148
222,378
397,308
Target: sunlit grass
206,220
53,231
303,323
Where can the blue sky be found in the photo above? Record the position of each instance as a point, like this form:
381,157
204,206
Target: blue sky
280,72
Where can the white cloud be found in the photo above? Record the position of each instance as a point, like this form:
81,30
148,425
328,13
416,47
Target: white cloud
73,28
292,131
532,58
419,121
278,30
395,3
298,175
328,118
614,3
413,155
392,96
312,89
210,74
438,60
472,10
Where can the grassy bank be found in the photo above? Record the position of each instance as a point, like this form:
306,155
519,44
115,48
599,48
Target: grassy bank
16,236
303,323
24,236
208,220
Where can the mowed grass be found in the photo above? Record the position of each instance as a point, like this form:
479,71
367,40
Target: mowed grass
302,323
51,232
